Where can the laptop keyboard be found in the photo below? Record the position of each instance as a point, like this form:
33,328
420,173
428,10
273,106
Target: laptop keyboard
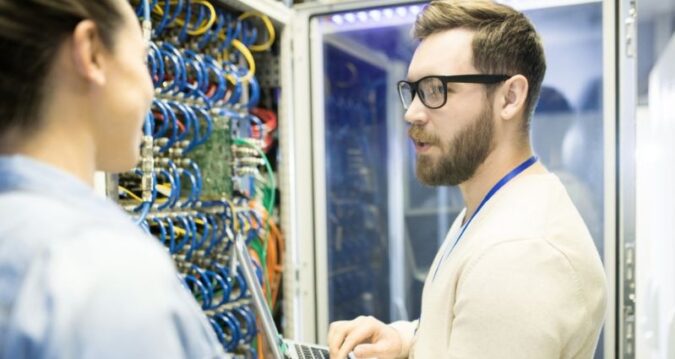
307,352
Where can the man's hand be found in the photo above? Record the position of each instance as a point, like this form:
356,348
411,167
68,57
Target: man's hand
367,337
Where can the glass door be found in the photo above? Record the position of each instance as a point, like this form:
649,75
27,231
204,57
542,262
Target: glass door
376,228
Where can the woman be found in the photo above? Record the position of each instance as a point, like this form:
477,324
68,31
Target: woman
77,278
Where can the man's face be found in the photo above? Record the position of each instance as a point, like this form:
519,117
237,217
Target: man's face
451,142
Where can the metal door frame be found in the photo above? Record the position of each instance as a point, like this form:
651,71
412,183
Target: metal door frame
310,307
618,203
625,103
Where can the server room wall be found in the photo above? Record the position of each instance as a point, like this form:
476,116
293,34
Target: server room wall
206,173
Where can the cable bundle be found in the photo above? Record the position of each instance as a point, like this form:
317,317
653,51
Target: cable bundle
204,174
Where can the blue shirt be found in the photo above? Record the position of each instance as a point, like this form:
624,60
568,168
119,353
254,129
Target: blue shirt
78,279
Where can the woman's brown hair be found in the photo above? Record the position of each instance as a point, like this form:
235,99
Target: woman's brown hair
31,33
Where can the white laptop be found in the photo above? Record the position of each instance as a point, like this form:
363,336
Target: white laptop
281,348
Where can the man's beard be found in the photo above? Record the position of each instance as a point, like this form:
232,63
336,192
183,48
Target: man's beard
465,152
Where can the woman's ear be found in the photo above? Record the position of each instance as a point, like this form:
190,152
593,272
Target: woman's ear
88,52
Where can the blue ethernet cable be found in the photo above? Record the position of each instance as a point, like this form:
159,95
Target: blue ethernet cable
145,207
247,323
155,55
248,34
216,234
152,65
187,119
225,274
196,180
161,130
221,289
165,19
206,38
182,36
237,126
198,176
165,174
200,16
243,287
145,226
197,239
231,33
191,282
250,317
162,230
209,124
216,70
254,87
239,286
225,285
257,122
219,331
234,331
170,59
143,9
172,235
176,172
206,236
203,279
186,237
191,118
180,78
172,120
192,60
258,272
237,91
190,201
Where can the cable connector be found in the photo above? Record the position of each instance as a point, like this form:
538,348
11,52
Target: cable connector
147,167
146,27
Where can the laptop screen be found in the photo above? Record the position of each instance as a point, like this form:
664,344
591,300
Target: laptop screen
274,340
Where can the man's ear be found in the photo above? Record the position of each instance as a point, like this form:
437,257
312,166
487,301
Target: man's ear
88,52
514,95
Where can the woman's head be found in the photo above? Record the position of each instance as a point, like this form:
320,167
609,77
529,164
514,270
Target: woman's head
75,63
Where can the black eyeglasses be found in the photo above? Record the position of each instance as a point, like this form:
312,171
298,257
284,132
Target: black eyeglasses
433,90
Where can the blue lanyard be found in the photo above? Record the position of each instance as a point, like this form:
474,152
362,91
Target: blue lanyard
509,176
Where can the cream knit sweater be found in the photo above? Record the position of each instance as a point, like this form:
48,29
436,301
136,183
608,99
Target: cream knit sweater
525,281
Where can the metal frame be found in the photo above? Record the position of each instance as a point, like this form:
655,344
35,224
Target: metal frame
278,12
610,171
626,90
292,193
320,192
396,135
308,207
297,150
309,175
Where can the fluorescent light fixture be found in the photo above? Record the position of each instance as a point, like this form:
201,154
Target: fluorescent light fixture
350,17
388,13
363,17
401,11
375,14
337,19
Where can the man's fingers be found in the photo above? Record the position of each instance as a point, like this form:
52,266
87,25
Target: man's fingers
358,335
374,350
337,331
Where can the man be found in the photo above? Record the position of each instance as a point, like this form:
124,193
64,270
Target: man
518,275
77,278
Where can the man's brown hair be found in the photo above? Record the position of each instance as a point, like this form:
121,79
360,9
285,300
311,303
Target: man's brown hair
505,41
